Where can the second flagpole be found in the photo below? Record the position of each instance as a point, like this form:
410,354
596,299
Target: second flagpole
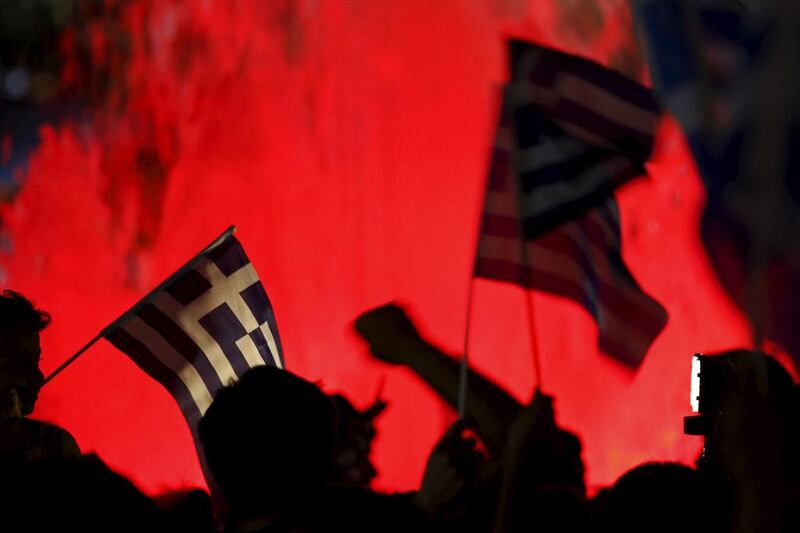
463,377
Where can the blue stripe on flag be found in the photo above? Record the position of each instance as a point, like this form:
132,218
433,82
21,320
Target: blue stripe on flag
148,362
229,256
183,344
257,300
263,348
225,328
189,287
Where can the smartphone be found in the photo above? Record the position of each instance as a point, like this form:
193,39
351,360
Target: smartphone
707,383
694,388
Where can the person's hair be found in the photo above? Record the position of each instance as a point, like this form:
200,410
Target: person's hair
16,310
269,437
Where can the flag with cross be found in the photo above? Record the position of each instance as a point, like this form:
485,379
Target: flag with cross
203,328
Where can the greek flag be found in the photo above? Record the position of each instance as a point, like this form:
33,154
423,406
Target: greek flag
202,328
569,133
580,131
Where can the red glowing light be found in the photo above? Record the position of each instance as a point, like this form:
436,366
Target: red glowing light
350,148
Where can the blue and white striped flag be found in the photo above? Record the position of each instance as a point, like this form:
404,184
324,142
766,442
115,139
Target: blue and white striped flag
581,130
570,132
202,328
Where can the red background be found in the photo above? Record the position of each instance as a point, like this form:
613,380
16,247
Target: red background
348,140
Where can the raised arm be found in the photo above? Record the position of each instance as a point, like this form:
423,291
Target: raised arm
393,338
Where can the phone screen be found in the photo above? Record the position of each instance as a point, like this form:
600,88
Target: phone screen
694,389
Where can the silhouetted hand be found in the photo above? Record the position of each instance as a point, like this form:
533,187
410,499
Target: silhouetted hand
538,456
536,423
452,465
391,335
537,451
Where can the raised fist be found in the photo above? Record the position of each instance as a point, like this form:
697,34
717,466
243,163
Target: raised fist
391,335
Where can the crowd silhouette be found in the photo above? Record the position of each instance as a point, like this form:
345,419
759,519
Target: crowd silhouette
287,457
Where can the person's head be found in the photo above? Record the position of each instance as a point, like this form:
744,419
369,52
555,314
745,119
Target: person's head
746,367
660,497
20,377
753,394
269,439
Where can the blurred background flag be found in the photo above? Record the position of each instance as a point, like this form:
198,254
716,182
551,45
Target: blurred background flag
202,328
570,132
732,85
701,55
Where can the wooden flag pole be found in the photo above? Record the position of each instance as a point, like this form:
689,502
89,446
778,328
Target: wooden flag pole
216,242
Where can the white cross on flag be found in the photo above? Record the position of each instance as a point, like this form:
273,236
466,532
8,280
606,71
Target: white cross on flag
204,327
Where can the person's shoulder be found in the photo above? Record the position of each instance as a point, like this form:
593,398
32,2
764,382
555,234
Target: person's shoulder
48,428
56,438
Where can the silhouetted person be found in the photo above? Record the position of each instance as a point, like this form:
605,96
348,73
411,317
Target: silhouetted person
21,438
460,486
752,445
538,470
270,442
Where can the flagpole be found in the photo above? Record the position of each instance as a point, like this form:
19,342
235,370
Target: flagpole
463,373
463,376
537,368
216,242
71,360
526,278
